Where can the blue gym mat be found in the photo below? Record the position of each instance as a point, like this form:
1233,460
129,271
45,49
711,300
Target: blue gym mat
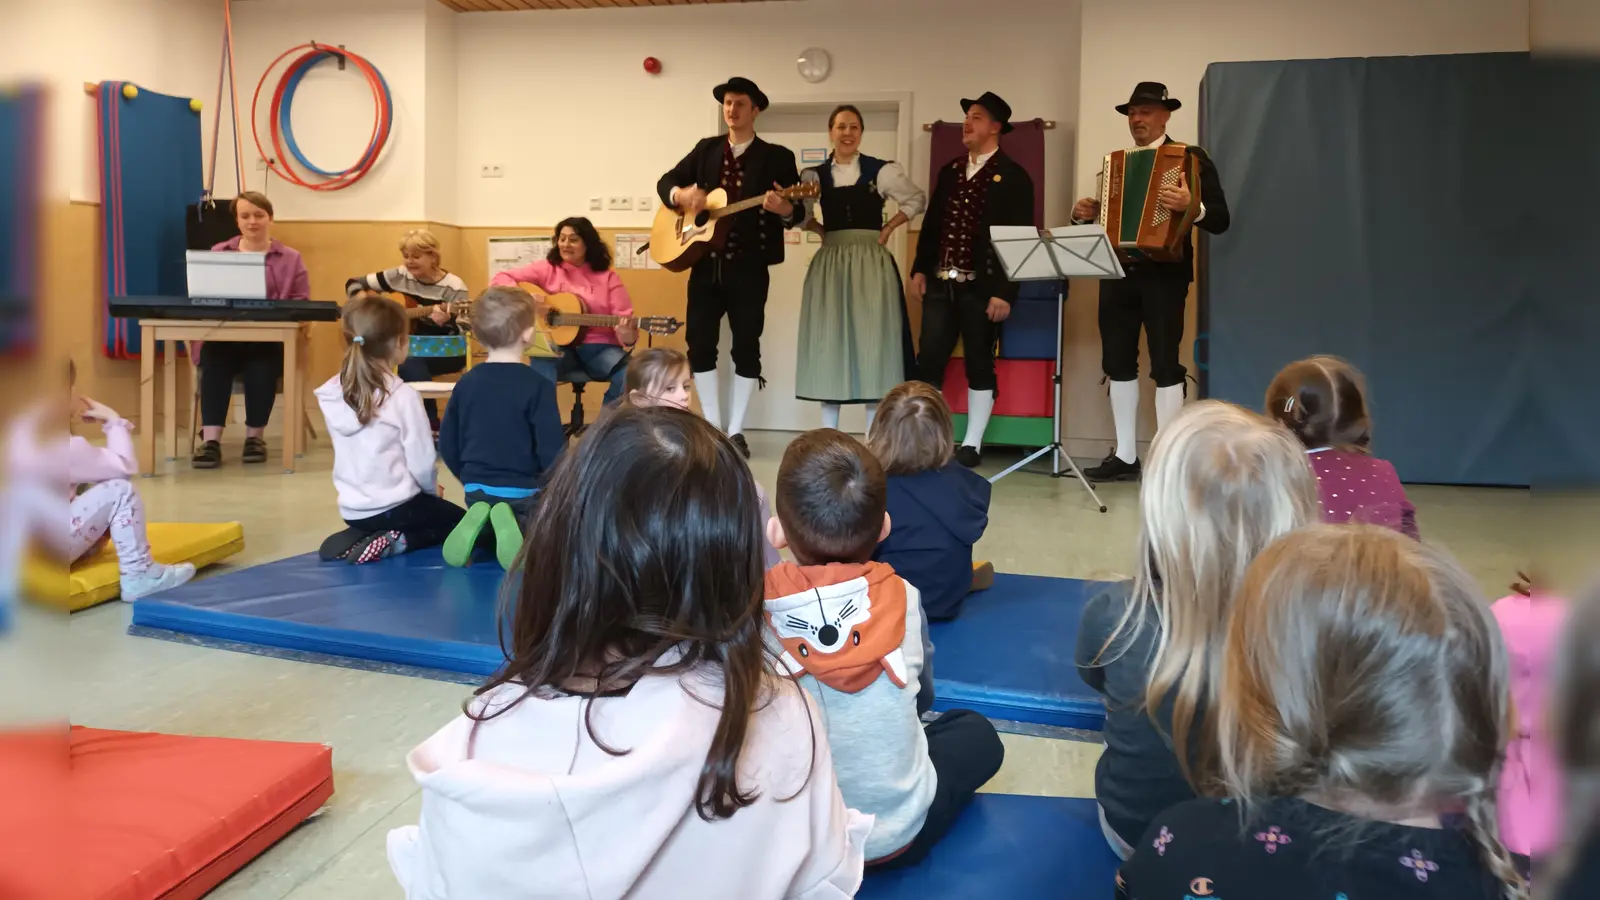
1009,655
1011,847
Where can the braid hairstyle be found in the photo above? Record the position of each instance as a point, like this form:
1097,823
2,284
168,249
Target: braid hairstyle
1367,669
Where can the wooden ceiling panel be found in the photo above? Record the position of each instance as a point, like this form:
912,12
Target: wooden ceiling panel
468,6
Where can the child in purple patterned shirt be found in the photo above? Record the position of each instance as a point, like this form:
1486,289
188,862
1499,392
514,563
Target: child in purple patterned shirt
1322,399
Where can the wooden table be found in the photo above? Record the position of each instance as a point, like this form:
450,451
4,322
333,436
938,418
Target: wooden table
293,337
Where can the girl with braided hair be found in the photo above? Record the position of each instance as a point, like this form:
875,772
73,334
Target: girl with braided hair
1364,704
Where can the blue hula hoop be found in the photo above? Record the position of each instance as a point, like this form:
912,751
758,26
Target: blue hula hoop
292,82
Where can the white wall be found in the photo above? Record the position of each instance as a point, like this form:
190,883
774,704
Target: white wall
1172,41
439,150
333,110
129,40
561,99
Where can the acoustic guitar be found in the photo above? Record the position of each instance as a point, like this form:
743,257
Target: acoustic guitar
677,242
563,318
454,303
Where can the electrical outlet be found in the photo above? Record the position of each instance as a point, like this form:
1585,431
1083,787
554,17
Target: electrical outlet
492,171
619,203
645,203
596,204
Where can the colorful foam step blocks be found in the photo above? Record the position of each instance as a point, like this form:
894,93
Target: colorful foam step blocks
1011,431
1026,387
95,578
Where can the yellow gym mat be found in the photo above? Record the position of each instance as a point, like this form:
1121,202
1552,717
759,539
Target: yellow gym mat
95,579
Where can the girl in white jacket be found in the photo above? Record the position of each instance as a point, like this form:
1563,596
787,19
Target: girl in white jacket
383,455
637,743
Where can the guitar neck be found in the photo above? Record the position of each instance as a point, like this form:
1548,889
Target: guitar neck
585,320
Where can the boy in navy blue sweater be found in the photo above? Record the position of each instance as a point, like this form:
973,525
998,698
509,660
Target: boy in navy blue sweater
938,509
501,429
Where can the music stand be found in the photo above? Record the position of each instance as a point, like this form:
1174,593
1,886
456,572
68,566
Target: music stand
1036,254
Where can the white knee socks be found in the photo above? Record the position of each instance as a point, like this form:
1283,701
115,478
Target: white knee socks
1169,402
743,389
1125,412
979,405
705,384
830,415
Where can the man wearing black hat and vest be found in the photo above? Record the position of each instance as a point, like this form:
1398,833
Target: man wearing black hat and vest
733,281
1152,295
963,287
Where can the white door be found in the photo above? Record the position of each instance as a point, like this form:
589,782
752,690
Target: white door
776,408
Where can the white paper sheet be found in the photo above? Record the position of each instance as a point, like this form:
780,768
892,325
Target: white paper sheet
1073,251
510,252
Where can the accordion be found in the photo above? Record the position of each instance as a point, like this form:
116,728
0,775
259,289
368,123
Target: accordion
1141,229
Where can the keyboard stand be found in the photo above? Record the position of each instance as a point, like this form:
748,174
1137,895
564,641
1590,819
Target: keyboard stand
293,337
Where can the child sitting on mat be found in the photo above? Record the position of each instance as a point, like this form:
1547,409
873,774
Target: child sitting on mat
1222,483
661,377
501,429
636,742
72,502
1322,400
849,630
1362,703
383,456
939,508
1531,620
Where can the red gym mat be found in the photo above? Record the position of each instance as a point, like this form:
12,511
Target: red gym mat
170,817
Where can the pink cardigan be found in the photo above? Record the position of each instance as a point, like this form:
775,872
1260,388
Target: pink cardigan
1530,783
602,292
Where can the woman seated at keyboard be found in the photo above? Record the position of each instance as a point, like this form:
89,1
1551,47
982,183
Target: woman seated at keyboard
257,364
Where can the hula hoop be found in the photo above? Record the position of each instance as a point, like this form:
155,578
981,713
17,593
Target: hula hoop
281,131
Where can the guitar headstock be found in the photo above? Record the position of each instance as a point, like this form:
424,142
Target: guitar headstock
805,190
659,325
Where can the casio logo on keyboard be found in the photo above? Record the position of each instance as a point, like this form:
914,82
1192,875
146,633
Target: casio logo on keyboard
207,301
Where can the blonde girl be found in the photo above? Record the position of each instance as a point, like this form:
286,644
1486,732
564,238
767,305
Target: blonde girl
1223,482
1364,701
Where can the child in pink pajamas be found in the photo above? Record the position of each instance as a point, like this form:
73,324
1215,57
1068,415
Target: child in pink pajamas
91,486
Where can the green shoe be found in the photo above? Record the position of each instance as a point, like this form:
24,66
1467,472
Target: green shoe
507,534
458,546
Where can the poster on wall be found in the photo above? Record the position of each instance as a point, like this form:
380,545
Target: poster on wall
510,252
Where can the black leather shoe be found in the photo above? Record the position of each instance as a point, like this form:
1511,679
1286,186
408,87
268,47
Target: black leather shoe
969,456
209,456
738,441
1112,468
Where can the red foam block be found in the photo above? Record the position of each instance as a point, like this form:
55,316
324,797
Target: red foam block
1026,387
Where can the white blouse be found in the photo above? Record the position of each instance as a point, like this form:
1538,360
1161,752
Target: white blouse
893,182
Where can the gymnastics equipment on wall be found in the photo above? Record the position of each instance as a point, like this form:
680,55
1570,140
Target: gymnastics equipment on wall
281,130
150,170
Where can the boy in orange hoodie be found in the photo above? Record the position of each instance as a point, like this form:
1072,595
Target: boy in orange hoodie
850,631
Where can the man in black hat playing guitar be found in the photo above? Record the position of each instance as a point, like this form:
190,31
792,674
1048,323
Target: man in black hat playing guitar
733,281
957,275
1152,295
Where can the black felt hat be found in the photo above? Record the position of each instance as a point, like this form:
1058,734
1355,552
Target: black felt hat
1149,92
999,109
741,85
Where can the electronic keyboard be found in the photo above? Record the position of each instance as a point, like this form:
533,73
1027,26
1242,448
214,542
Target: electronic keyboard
219,309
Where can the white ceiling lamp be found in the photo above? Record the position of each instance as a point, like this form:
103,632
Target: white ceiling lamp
814,64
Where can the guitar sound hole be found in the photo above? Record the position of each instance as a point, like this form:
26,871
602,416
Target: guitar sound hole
701,218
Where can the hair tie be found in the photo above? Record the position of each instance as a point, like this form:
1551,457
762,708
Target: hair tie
1288,405
358,339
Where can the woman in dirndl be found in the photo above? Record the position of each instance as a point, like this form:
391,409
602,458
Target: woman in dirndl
855,342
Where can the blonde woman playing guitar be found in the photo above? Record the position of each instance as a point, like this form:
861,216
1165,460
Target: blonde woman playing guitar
580,263
432,296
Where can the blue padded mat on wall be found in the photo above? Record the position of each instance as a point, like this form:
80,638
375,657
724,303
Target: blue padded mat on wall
1009,656
1010,848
